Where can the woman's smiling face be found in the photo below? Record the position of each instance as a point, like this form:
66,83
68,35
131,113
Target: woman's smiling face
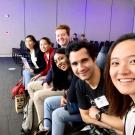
44,45
122,67
61,61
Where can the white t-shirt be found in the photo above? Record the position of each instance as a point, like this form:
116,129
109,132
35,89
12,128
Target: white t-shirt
129,122
34,59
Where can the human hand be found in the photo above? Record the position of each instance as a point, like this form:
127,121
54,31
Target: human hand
93,111
31,70
25,66
35,77
63,101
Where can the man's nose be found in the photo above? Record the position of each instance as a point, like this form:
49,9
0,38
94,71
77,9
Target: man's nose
80,67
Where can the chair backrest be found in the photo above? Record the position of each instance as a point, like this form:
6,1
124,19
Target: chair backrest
96,46
101,57
100,45
22,45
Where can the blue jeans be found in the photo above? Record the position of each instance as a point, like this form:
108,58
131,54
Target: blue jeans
27,75
58,115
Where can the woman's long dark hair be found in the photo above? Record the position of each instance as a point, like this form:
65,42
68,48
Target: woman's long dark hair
119,104
47,40
60,78
34,40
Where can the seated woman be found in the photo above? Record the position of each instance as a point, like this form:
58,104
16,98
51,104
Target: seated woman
35,59
57,112
120,90
45,47
57,80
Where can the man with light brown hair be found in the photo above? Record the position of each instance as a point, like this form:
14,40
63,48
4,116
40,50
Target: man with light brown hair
62,35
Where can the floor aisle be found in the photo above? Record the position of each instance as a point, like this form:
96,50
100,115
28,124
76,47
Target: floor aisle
10,121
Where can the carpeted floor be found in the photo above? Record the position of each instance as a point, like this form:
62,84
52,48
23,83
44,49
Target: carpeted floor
10,121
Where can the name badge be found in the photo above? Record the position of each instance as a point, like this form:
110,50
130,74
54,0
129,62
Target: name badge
101,102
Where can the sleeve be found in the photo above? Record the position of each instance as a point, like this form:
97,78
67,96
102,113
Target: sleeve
44,72
83,101
71,93
48,66
48,77
41,63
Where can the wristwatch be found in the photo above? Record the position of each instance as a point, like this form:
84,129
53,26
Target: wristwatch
98,115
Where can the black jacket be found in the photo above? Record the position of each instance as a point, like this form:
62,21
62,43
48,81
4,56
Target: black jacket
40,61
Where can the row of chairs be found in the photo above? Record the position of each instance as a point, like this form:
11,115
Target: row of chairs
17,53
98,45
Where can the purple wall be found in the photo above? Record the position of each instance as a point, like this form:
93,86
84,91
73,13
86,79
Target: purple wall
98,19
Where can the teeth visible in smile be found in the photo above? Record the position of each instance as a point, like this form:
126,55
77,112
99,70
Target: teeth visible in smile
126,80
62,66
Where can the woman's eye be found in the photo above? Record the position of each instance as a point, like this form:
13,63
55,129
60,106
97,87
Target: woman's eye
61,58
132,61
114,63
